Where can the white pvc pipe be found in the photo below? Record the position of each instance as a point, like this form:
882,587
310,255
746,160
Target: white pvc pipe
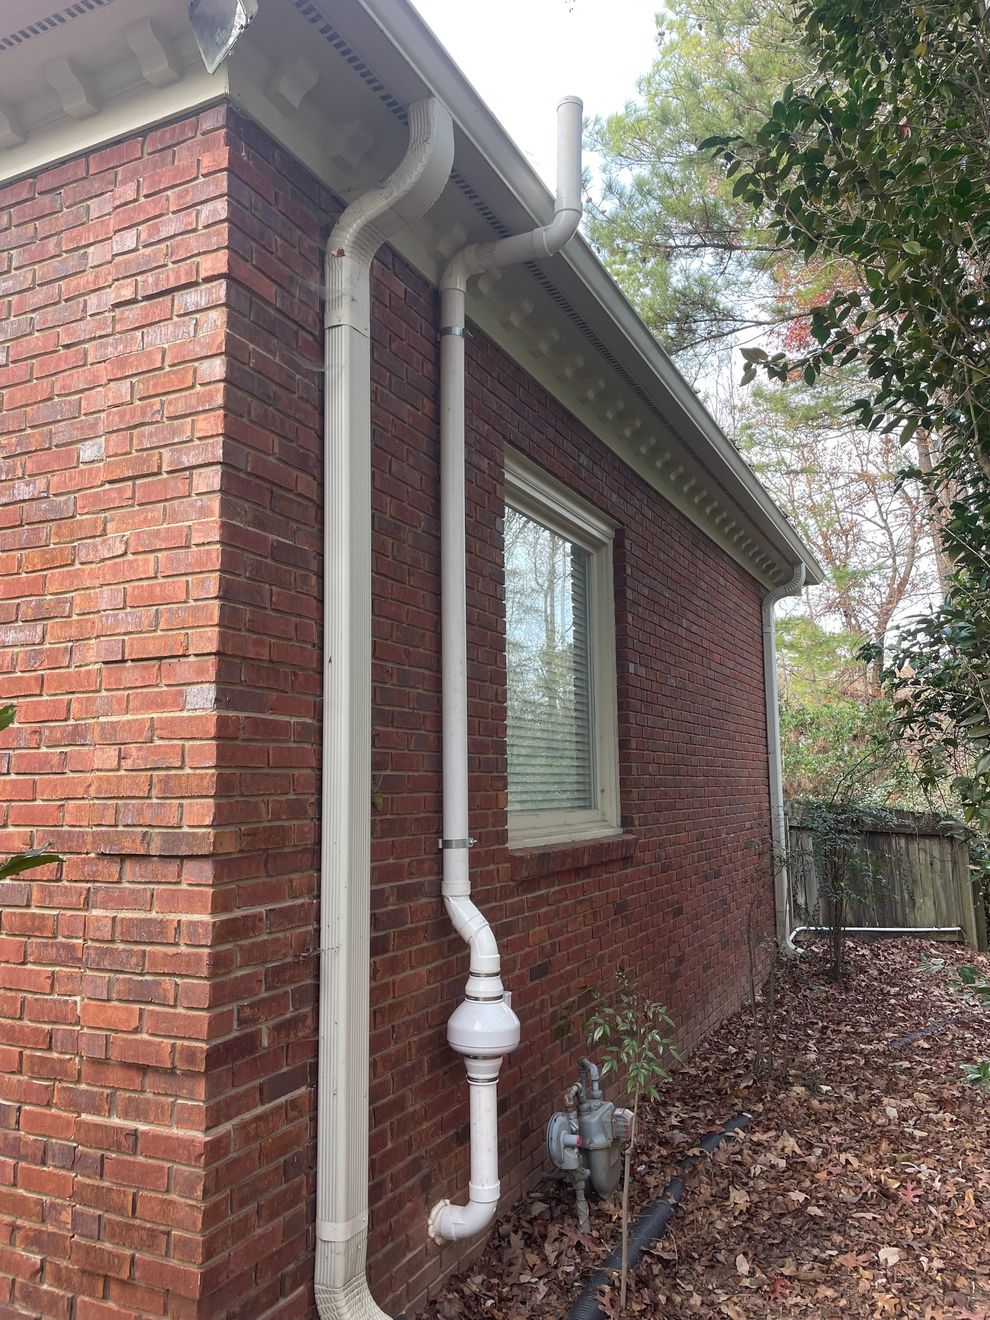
450,1222
880,930
536,243
778,820
341,1285
483,1028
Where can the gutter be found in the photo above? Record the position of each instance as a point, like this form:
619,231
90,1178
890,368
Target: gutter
341,1285
778,820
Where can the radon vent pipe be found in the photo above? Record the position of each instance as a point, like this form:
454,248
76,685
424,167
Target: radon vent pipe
483,1028
345,861
652,1224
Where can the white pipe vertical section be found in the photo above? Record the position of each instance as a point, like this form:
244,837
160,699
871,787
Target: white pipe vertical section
345,867
778,822
483,1028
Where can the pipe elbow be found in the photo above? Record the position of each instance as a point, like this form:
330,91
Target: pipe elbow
546,240
484,949
792,587
454,1223
409,191
458,270
474,929
560,230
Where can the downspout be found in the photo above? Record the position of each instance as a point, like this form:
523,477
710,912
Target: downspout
778,821
345,857
483,1028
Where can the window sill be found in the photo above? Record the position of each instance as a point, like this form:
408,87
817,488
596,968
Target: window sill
548,859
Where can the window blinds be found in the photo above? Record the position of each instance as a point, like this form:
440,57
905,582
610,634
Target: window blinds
549,668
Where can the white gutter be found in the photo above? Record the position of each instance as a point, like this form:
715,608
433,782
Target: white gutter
345,868
483,1028
778,821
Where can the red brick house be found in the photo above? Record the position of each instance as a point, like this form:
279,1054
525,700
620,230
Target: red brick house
194,497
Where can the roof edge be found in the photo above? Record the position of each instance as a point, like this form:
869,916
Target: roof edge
404,28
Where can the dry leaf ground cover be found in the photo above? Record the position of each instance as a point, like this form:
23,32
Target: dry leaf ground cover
861,1187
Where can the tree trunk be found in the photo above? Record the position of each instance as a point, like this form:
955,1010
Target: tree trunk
757,1027
837,922
626,1172
938,511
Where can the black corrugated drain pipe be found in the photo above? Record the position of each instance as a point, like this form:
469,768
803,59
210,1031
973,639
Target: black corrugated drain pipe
651,1224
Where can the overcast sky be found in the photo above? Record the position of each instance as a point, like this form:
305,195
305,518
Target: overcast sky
524,55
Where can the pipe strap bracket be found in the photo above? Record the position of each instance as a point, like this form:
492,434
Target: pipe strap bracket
457,843
460,330
329,1230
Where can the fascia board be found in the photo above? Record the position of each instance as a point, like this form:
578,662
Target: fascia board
684,412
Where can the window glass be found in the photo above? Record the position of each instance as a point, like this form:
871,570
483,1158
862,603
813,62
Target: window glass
548,653
560,659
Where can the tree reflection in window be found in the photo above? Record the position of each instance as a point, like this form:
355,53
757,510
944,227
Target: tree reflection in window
549,670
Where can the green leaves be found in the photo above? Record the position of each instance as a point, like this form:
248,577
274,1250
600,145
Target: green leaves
675,224
628,1032
28,861
887,159
974,984
22,862
881,187
976,1074
938,672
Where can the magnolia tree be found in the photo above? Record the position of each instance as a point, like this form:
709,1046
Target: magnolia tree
881,170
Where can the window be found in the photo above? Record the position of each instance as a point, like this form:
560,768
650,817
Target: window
560,659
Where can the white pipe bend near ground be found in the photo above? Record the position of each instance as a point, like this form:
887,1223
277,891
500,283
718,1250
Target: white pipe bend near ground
341,1283
483,1028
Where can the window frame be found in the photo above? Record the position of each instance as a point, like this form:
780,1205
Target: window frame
535,494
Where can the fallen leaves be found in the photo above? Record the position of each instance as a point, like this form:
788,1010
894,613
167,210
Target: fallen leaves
852,1261
861,1188
739,1198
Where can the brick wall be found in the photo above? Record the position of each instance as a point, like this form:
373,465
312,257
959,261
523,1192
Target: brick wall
159,608
158,604
693,779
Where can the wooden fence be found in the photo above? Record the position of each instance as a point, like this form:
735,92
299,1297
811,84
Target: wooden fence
926,879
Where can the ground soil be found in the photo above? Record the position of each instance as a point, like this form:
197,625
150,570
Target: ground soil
861,1187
